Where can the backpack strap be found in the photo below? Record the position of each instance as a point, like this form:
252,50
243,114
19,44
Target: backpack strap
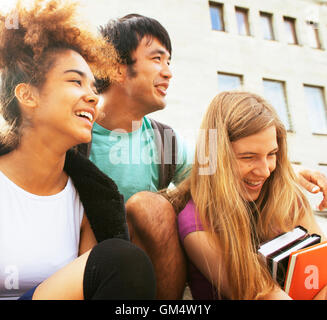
165,139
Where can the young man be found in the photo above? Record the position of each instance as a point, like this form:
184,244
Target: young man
125,148
125,144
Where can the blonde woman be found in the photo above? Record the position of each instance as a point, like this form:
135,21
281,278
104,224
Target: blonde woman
248,195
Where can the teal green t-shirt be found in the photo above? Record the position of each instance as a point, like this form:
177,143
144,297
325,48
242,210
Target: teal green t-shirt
131,159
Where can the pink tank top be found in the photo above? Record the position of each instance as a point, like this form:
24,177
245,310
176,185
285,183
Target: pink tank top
201,288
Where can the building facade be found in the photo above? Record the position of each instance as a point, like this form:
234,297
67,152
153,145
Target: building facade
276,48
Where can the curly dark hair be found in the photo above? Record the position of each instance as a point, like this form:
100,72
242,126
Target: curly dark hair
28,52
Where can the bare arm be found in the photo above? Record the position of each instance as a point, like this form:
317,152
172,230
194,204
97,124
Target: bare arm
208,259
309,222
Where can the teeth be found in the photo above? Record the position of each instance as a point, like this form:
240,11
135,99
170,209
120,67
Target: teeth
253,183
162,88
85,114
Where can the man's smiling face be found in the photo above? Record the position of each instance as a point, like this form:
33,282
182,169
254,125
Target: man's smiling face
147,80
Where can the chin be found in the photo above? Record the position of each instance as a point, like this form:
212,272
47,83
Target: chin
252,197
163,104
84,138
157,108
160,105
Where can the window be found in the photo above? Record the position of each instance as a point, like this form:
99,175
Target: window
242,21
274,92
317,109
322,167
267,27
228,82
216,15
290,30
313,35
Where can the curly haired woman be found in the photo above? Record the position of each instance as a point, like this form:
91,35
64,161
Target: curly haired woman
248,195
60,217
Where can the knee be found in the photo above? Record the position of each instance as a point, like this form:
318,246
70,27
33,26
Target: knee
129,269
122,255
146,207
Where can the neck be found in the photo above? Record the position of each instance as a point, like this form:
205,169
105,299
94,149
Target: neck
120,112
36,166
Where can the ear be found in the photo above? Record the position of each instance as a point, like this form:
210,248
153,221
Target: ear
122,72
26,95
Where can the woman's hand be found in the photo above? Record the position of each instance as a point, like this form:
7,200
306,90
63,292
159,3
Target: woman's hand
322,294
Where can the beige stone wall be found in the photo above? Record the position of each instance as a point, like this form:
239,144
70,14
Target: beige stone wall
199,53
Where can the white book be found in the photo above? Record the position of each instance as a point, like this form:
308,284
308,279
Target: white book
285,255
281,242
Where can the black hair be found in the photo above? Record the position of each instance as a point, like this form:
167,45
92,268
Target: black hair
126,33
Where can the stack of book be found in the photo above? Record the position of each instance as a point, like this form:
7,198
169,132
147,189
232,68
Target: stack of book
297,261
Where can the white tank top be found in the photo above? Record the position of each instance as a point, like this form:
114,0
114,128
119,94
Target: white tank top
38,235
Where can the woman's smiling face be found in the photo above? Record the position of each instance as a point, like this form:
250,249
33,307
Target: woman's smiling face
67,101
256,158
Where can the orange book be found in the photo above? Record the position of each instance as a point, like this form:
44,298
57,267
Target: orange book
307,272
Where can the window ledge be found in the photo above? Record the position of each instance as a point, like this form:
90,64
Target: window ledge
216,30
295,44
319,49
319,134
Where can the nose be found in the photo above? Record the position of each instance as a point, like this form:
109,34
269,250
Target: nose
262,169
91,98
166,72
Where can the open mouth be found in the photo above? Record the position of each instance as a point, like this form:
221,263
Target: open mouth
162,88
253,184
85,114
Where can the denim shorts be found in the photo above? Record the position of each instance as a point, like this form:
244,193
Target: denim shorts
28,294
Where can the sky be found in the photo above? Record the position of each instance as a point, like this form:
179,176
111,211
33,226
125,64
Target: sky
5,5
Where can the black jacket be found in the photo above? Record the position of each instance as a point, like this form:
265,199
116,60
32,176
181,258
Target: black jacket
103,204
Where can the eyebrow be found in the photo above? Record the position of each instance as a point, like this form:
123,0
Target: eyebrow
161,52
253,153
81,73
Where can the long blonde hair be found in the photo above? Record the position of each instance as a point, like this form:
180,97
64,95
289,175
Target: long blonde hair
229,219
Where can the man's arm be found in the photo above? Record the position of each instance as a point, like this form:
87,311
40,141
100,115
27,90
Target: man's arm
313,181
